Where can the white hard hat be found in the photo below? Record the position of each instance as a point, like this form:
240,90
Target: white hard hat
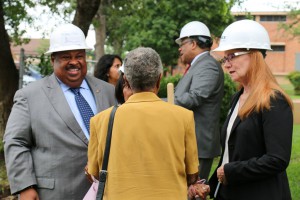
67,37
244,34
194,28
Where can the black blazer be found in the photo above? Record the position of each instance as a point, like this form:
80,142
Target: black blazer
259,152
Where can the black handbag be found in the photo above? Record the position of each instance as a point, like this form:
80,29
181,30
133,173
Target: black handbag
103,172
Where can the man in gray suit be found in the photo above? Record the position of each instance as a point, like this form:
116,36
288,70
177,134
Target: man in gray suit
201,90
46,138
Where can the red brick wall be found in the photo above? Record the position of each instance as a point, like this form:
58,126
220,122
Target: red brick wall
281,62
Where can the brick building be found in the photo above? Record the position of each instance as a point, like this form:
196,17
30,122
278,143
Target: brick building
285,56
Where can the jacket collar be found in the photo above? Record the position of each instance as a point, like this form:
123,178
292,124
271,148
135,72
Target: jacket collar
143,97
199,56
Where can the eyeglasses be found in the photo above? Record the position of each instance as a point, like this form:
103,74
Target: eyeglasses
232,56
183,43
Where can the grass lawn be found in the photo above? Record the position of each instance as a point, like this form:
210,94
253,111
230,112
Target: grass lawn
289,89
294,167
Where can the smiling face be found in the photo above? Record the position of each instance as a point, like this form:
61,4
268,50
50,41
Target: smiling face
70,67
237,66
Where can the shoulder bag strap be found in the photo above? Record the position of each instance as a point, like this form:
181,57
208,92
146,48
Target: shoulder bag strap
103,172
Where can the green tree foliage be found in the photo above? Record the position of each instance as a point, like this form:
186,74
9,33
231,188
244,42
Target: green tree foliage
294,78
292,26
45,65
17,12
157,24
14,14
229,89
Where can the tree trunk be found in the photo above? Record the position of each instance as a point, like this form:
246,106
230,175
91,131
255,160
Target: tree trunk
118,47
8,75
85,12
100,30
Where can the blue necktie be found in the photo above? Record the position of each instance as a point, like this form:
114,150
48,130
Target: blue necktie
84,108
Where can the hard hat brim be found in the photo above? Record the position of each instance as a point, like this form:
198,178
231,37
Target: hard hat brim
178,40
69,48
222,48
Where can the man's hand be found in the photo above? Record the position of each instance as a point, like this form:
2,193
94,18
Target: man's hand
29,194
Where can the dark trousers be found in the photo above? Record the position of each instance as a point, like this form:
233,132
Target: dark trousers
204,167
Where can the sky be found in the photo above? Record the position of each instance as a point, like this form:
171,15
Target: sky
246,6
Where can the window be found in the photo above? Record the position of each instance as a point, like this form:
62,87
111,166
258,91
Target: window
278,48
240,17
273,18
247,16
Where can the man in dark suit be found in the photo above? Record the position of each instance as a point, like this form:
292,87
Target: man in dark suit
46,136
201,90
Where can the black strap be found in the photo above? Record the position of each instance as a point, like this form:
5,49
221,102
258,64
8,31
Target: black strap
103,172
108,138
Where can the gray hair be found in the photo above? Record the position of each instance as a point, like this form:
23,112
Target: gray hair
142,68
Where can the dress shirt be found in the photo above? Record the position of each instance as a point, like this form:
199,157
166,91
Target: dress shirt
194,60
89,97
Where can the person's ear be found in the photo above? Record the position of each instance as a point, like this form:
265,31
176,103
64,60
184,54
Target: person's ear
194,44
52,58
126,82
158,82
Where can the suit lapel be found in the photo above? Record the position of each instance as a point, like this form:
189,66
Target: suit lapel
61,106
96,90
236,121
235,124
200,59
186,79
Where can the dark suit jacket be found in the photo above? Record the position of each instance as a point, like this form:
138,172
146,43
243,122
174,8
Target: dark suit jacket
43,143
259,153
201,90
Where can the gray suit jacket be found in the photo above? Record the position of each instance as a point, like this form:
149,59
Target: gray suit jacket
43,143
201,90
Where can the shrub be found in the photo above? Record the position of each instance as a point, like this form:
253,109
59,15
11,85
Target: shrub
1,147
162,93
45,65
229,90
294,78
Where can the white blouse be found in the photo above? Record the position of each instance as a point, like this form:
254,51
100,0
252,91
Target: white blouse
229,127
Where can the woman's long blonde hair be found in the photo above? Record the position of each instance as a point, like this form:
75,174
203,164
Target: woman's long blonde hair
263,86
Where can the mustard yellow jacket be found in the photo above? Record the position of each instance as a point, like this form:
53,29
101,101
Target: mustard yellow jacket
153,148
